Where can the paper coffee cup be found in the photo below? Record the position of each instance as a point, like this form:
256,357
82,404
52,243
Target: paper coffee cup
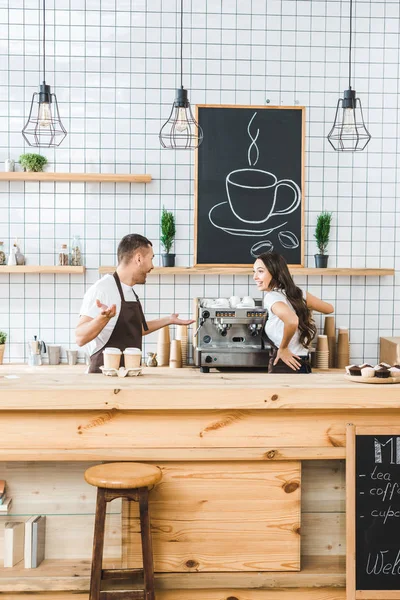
112,358
132,358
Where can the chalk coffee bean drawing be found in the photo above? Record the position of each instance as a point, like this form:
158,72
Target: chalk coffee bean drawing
261,248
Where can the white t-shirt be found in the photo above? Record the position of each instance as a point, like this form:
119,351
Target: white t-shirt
274,325
105,290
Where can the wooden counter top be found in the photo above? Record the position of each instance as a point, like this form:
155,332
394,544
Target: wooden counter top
47,387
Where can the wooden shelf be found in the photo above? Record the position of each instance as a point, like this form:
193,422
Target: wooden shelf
116,177
74,575
248,271
67,270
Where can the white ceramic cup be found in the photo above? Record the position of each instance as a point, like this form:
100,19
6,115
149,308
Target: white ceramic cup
112,358
248,301
132,358
234,301
223,302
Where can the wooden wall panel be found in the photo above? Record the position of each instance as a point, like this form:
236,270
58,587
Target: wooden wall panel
222,517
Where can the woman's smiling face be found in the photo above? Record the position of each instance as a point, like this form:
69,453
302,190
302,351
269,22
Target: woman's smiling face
261,276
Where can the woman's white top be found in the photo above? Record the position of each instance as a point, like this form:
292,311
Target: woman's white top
274,325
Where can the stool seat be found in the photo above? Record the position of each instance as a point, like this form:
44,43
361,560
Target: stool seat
123,475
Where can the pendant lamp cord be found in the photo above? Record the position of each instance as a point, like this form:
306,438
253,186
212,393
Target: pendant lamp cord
351,20
181,43
44,41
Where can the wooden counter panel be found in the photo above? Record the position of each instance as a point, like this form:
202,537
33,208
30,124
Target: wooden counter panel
69,388
221,517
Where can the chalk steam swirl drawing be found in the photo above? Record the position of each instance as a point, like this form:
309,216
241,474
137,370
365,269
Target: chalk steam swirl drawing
260,195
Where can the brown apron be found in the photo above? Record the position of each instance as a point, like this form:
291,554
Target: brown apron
127,332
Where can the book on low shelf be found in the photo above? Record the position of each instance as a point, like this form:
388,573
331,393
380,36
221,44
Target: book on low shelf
14,533
35,534
38,541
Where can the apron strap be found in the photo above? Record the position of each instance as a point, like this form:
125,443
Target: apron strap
144,322
119,286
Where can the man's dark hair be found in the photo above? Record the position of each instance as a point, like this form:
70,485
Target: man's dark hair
129,244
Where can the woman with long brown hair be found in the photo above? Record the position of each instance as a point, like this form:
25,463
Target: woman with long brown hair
289,328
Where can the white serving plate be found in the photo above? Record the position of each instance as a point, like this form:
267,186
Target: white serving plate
358,379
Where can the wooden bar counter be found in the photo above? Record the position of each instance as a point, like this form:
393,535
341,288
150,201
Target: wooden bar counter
246,458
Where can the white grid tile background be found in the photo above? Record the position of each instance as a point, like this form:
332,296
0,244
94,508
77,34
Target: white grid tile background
113,65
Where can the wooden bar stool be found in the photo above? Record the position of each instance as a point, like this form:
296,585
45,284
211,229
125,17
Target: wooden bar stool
131,481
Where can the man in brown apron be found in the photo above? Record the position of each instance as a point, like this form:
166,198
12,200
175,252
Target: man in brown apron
95,326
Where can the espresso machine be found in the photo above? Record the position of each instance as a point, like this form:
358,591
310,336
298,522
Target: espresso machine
229,336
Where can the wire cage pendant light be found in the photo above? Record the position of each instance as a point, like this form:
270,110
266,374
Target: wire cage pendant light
349,132
44,126
181,130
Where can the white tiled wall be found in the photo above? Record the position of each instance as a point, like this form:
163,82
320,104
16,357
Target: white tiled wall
113,66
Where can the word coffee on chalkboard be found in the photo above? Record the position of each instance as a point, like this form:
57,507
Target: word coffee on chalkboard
249,184
377,511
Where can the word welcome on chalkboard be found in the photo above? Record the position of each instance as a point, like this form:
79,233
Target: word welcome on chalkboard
373,512
249,184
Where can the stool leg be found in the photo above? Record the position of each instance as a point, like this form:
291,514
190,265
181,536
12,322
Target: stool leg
98,544
147,546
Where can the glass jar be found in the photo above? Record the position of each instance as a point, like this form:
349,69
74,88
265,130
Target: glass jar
76,252
2,254
63,256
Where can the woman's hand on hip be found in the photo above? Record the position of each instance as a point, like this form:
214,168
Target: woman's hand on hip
288,358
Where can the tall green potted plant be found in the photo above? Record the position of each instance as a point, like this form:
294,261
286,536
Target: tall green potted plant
3,337
322,231
168,231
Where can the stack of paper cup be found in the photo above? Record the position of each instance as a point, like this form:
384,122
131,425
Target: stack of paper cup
163,347
322,352
343,348
329,331
182,335
175,359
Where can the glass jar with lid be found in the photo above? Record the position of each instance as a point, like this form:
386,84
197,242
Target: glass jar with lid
63,255
76,252
2,254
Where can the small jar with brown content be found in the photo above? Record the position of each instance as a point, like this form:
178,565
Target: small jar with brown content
63,256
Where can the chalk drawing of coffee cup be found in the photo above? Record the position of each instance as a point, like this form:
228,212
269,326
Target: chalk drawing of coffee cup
253,194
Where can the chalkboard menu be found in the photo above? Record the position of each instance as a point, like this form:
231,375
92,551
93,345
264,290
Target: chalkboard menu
377,513
249,184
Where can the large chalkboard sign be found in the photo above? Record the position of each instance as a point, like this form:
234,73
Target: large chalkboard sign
373,513
249,184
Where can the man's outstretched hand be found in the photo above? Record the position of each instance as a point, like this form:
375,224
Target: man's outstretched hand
107,311
176,321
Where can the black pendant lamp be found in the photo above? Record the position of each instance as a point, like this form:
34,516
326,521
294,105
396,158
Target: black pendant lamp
44,126
181,131
349,133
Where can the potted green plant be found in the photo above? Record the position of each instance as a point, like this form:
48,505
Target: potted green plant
322,231
3,337
168,231
32,162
